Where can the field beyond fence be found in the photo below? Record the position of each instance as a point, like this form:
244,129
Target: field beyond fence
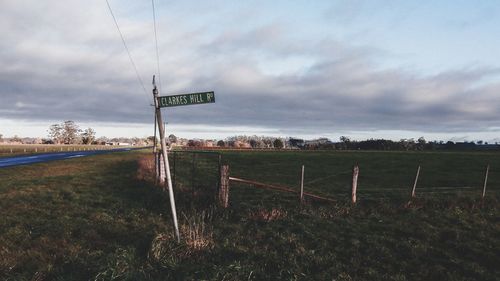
382,175
328,176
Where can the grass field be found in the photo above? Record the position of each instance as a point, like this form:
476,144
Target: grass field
93,219
383,175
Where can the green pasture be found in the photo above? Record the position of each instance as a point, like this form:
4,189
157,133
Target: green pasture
93,218
383,175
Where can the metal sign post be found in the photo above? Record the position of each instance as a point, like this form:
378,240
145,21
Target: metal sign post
165,159
168,101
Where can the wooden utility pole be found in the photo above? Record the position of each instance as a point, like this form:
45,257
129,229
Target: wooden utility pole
165,159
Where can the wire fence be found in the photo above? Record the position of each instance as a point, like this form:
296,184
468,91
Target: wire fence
382,176
275,178
197,173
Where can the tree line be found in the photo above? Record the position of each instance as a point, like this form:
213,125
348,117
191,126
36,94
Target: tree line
68,132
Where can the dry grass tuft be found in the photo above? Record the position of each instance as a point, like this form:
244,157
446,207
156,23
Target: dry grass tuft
197,235
198,231
268,215
146,168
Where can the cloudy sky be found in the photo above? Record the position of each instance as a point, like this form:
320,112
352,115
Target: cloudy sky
394,69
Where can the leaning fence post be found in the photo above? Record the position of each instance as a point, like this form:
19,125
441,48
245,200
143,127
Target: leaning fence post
485,180
415,183
224,186
355,174
302,186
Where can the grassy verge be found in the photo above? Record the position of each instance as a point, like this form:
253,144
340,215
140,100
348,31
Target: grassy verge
76,218
92,219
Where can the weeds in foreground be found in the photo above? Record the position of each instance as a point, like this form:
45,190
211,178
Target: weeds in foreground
268,215
198,231
146,168
197,235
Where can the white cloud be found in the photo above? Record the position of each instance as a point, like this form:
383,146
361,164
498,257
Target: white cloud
65,61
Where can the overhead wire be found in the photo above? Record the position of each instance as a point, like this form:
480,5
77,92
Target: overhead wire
157,60
156,43
128,51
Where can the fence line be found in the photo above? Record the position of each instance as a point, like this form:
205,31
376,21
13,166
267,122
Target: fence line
354,188
280,188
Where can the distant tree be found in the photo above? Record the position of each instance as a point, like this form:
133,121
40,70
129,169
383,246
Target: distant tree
278,143
195,143
231,143
1,138
449,145
55,133
421,143
47,141
345,139
172,138
70,132
345,143
407,144
102,140
138,141
221,143
16,139
267,142
253,143
151,139
88,136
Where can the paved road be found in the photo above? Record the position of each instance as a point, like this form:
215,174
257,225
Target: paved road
38,158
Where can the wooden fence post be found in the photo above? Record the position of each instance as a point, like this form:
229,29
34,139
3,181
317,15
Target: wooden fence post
355,174
485,180
302,186
415,183
224,186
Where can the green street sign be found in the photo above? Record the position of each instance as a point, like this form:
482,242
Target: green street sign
186,99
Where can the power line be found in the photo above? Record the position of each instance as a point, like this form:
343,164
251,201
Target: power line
156,41
128,51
